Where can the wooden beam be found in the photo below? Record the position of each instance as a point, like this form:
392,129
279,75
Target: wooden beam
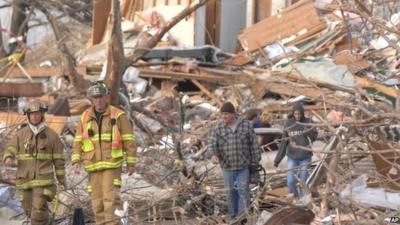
385,161
21,89
148,73
281,108
289,90
211,17
295,20
43,71
365,83
101,10
265,8
208,93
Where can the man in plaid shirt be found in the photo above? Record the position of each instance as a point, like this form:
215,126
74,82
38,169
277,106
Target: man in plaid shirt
233,144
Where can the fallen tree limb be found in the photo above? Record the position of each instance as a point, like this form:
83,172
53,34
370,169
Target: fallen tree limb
68,60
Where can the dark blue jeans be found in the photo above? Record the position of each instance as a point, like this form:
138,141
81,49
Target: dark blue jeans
238,190
301,172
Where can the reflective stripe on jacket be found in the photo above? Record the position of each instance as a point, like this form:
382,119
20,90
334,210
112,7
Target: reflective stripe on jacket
39,157
104,150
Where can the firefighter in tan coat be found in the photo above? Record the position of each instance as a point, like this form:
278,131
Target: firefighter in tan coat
39,154
104,138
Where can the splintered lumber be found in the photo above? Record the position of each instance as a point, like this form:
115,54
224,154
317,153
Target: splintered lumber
43,71
260,87
101,10
354,62
386,163
300,19
208,93
281,108
265,8
352,45
291,215
21,89
148,73
365,83
10,119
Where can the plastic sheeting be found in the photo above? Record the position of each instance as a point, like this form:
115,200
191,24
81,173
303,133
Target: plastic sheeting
277,49
323,71
358,190
134,83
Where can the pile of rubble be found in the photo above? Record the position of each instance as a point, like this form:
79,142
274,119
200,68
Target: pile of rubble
340,58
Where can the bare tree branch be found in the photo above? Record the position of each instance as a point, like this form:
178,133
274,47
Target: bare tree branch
138,53
67,59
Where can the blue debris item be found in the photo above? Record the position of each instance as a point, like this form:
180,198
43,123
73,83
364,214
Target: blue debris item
78,217
7,199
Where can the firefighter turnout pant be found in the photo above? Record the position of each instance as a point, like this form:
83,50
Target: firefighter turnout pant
34,202
104,188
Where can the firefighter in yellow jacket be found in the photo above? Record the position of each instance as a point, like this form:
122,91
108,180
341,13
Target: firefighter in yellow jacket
39,154
104,137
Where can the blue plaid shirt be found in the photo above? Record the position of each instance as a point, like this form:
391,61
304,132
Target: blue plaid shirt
236,148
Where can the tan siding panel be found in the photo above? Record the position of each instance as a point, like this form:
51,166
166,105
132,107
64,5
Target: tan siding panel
298,17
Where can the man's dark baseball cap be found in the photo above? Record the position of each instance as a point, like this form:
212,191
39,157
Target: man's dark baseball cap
228,108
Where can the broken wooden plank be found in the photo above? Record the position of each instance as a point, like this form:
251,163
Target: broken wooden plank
311,34
129,8
291,215
44,71
280,192
148,73
345,44
229,76
21,89
101,10
365,83
298,19
283,108
354,62
387,163
260,87
265,8
208,93
240,59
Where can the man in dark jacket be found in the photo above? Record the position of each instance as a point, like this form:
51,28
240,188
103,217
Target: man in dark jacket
233,144
298,133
